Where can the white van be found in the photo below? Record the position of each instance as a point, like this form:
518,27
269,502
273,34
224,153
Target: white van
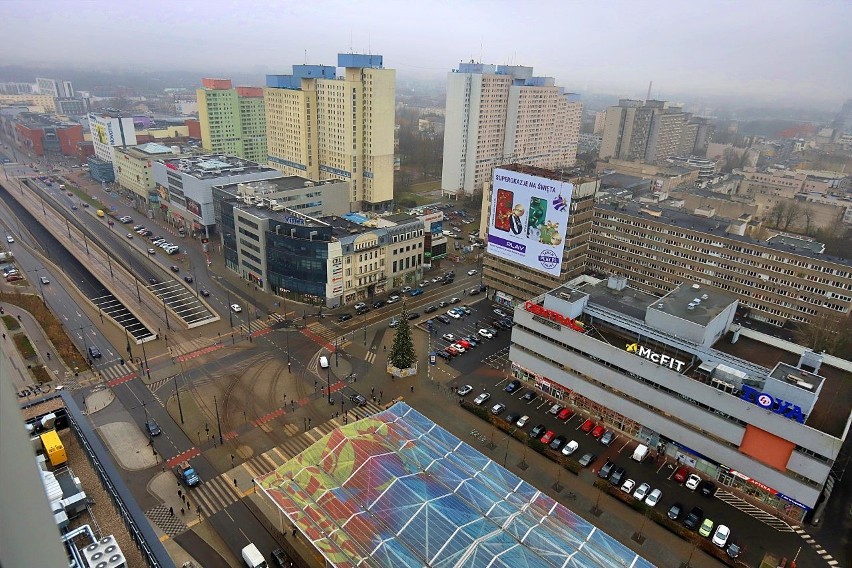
640,453
253,558
323,361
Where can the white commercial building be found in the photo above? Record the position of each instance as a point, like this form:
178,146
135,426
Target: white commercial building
503,114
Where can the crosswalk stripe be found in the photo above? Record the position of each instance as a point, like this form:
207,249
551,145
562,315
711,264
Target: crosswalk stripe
756,512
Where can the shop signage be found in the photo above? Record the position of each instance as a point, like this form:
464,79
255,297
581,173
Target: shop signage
654,357
539,310
769,402
793,501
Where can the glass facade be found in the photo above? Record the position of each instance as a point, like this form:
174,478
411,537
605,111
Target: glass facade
297,263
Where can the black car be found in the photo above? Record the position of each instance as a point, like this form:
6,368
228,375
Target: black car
617,475
707,488
538,431
606,469
152,281
443,319
94,352
153,427
344,317
557,442
587,459
430,309
675,511
280,558
413,315
188,279
358,400
530,395
498,324
443,355
361,311
512,417
204,292
379,304
693,518
513,386
174,268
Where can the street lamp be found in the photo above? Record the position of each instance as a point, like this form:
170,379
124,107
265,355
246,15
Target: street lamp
230,316
328,383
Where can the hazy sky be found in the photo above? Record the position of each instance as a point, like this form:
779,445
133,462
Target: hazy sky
780,49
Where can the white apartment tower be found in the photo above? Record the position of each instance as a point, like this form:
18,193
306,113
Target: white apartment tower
321,126
503,114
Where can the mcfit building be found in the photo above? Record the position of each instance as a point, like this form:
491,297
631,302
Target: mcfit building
677,374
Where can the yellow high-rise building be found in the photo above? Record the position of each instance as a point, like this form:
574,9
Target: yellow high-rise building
232,120
321,126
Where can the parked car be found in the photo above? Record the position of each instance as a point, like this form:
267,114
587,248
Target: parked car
680,474
555,409
675,511
458,348
406,290
538,431
606,469
557,442
344,317
548,436
378,304
430,309
498,408
513,386
720,537
480,400
359,306
617,475
453,314
734,550
393,323
204,292
449,337
413,315
692,481
416,292
188,279
570,448
587,425
513,417
565,413
588,458
485,333
522,421
471,272
499,312
707,488
443,319
706,527
693,518
530,395
598,431
607,437
653,498
473,292
641,491
628,486
455,300
443,354
393,299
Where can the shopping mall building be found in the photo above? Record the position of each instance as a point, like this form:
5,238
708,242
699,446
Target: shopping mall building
679,374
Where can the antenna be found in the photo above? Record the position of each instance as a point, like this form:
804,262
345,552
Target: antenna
649,90
306,57
480,49
351,47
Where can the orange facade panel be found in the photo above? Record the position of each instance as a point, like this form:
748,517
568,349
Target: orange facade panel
216,83
250,91
767,448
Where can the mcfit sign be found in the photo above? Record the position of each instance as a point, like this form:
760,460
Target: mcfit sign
654,357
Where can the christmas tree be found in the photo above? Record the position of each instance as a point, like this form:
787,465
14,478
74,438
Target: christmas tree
402,353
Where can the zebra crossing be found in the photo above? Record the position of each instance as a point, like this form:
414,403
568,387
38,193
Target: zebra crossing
113,374
320,329
756,512
815,545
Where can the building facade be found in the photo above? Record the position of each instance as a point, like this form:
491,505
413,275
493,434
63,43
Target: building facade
321,126
308,197
54,88
185,187
233,120
658,248
43,135
503,114
660,371
111,131
134,170
328,261
74,107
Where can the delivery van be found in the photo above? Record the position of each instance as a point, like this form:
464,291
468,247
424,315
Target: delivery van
640,453
101,213
253,558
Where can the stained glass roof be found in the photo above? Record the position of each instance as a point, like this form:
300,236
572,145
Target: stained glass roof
397,490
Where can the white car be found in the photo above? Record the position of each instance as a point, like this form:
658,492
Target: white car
653,498
522,421
129,235
236,308
485,333
692,481
464,390
480,400
406,290
642,491
570,448
453,314
720,537
628,486
498,408
471,272
458,348
449,337
44,280
323,362
554,410
10,239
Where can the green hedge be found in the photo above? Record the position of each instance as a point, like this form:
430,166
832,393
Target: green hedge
24,345
11,323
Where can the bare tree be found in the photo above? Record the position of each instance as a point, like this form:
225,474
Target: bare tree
808,214
776,215
791,214
831,333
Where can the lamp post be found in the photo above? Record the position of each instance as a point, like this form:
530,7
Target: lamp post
328,383
177,394
365,328
145,357
218,423
135,279
166,313
230,317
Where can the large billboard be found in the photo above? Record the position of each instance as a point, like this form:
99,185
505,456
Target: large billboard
529,217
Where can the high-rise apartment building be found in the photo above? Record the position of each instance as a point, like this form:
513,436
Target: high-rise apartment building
651,131
233,120
843,120
503,114
321,126
54,88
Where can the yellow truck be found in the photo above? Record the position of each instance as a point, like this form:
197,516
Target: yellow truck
54,448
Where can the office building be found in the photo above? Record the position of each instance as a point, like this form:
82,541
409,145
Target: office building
71,106
776,281
232,119
11,88
513,281
43,134
321,126
308,197
185,183
674,373
651,131
500,115
843,120
134,170
108,131
327,260
54,88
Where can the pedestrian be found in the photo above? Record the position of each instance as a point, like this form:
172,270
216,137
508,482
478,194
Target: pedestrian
372,390
171,511
385,348
48,355
182,511
380,394
4,336
412,388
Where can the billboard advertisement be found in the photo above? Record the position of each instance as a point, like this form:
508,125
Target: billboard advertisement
528,220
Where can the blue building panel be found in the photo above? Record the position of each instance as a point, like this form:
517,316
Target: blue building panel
314,71
359,60
283,82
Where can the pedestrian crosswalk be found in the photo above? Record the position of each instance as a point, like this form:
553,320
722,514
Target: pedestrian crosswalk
320,329
112,374
756,512
253,326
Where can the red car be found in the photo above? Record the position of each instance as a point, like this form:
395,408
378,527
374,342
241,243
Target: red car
452,350
565,414
598,431
681,474
464,343
548,436
587,425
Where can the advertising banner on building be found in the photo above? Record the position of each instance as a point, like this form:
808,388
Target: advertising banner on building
528,220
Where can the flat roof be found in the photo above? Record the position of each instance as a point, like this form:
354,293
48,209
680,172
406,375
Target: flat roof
796,243
284,216
712,226
208,166
276,185
397,490
344,227
707,302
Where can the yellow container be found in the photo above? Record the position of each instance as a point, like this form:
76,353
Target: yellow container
101,213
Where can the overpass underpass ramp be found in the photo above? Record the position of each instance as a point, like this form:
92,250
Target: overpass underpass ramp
183,302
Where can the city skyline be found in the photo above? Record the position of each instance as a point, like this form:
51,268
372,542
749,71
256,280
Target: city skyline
779,51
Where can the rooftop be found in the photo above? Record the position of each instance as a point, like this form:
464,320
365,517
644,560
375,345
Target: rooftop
147,150
396,490
713,226
696,303
211,166
38,120
796,243
277,185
